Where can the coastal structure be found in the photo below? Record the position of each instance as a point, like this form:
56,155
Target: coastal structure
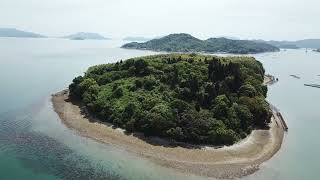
313,85
295,76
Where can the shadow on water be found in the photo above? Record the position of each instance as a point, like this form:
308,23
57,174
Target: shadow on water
40,153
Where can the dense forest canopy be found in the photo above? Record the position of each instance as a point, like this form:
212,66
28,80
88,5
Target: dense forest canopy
187,43
183,97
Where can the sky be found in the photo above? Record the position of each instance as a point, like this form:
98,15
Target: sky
245,19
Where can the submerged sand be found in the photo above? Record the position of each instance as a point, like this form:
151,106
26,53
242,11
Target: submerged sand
240,159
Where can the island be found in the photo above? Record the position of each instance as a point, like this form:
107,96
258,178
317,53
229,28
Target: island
136,39
11,32
198,114
85,35
288,46
317,50
304,43
77,38
186,43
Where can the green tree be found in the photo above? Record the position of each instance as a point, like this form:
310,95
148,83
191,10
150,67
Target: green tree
141,67
118,92
221,107
247,90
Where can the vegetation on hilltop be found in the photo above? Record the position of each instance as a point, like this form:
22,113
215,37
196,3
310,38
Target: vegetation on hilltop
237,46
183,97
187,43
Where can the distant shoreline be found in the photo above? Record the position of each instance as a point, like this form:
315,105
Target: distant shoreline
240,159
182,42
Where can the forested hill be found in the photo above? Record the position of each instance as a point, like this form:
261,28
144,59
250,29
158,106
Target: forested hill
86,35
182,97
187,43
238,46
11,32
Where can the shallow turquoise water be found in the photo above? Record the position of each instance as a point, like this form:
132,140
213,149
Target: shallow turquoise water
35,145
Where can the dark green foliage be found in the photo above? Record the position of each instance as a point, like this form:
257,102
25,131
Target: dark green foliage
237,46
191,98
247,90
141,67
187,43
118,92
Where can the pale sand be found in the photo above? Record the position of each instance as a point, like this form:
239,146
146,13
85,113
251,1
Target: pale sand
240,159
269,80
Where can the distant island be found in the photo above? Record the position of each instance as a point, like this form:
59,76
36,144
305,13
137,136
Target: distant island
288,46
136,39
317,50
77,38
187,43
305,43
85,35
11,32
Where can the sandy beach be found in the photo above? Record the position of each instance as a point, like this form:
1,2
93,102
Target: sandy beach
240,159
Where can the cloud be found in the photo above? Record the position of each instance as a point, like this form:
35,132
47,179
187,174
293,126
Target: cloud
243,18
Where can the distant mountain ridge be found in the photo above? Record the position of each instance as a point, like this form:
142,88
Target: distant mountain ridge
305,43
12,32
136,38
85,35
186,43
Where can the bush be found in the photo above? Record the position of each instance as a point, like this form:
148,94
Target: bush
247,90
149,83
118,92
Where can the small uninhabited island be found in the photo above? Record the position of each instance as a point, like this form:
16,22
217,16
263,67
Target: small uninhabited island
317,50
85,36
186,43
177,109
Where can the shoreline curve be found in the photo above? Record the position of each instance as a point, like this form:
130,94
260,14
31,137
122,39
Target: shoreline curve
238,160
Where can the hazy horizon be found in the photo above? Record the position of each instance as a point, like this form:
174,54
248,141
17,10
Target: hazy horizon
246,19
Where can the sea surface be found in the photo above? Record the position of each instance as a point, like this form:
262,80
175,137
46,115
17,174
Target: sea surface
34,144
